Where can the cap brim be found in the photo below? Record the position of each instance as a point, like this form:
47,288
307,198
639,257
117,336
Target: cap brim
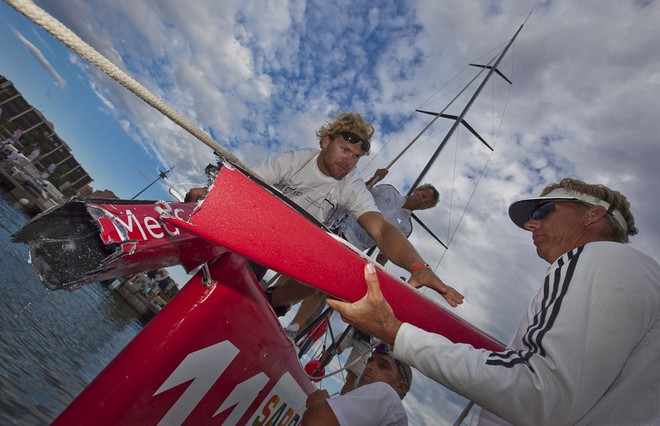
521,210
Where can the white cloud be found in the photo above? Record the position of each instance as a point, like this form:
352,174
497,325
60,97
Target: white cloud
50,69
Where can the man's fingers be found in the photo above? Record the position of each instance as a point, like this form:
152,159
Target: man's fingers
373,288
373,291
422,279
456,297
370,276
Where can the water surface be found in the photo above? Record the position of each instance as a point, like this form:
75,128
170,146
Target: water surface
52,344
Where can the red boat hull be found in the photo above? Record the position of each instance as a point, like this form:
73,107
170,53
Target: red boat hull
214,355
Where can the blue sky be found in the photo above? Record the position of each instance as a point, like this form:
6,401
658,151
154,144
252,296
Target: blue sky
260,77
63,95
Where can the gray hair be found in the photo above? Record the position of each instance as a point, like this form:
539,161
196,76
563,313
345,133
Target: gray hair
616,200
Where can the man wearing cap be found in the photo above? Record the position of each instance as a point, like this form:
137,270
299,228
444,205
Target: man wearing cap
588,349
376,401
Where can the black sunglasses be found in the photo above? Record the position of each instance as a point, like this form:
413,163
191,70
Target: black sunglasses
351,137
542,210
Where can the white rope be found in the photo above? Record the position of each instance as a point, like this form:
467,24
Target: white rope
75,43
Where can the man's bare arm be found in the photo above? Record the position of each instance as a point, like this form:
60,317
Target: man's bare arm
318,410
396,247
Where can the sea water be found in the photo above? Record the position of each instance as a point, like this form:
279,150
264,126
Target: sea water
52,344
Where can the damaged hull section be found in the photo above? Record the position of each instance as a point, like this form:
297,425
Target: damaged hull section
87,240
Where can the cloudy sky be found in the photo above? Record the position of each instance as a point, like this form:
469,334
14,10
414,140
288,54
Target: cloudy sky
261,76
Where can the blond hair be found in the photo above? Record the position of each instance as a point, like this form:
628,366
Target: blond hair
347,122
616,200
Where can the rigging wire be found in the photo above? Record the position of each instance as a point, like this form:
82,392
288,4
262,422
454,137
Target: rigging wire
435,96
491,67
414,144
466,410
483,170
428,100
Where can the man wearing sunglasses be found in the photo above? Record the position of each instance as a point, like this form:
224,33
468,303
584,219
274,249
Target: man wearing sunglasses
588,349
322,182
376,400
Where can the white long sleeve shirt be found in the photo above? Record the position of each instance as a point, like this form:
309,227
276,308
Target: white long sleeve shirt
586,352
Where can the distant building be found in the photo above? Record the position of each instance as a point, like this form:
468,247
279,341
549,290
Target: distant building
104,193
35,137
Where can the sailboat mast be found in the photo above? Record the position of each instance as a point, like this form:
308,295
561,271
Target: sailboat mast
459,119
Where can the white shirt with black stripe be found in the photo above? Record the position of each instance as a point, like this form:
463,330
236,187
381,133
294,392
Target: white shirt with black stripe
586,352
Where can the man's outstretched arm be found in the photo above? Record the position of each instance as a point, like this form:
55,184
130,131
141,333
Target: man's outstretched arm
396,247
